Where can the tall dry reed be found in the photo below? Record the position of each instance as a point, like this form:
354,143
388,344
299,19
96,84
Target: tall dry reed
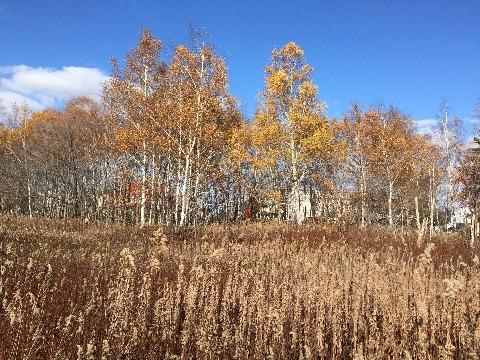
252,291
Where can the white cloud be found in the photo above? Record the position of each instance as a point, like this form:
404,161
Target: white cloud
468,127
426,126
47,87
9,98
471,121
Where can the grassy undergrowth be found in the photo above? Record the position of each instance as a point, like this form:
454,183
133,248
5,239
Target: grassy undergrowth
250,291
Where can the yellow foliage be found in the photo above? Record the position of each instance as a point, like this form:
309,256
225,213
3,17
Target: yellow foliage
290,50
238,143
273,197
278,82
290,131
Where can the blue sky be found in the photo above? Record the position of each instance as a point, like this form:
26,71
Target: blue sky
410,54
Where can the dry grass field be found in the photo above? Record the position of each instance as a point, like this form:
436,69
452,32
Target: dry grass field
251,291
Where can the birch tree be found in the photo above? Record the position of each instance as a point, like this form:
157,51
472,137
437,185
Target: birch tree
200,116
354,131
447,134
468,176
131,96
429,165
391,149
19,119
290,113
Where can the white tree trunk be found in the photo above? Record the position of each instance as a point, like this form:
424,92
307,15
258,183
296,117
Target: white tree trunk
296,201
185,188
144,185
363,190
177,197
152,190
27,174
431,196
417,214
390,201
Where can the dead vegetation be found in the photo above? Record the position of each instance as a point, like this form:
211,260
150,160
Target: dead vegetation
70,291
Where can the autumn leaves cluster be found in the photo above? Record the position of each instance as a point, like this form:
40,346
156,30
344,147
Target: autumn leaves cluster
168,144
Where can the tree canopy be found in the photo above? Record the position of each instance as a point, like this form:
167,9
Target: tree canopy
168,144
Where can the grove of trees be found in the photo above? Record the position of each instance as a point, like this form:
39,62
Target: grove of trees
168,144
